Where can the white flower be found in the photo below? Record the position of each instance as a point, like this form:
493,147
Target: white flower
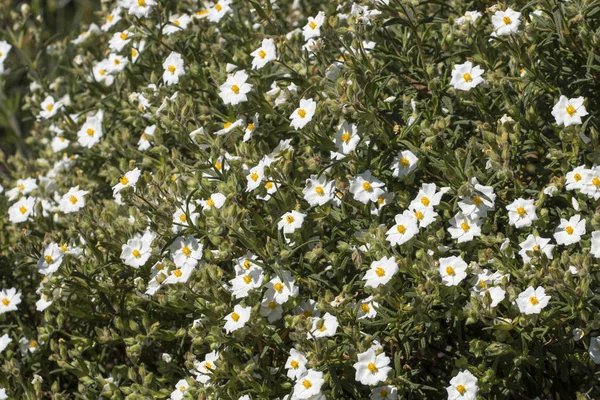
23,187
237,319
309,384
470,16
521,213
372,368
137,250
59,143
574,179
532,301
51,259
481,201
181,386
463,387
313,27
594,349
590,185
569,232
291,221
21,210
453,270
9,300
219,10
216,200
111,19
367,308
325,326
73,200
506,22
569,111
346,137
177,24
270,309
464,228
186,251
384,393
204,369
181,274
116,63
423,215
141,8
381,272
318,191
50,107
282,287
496,293
101,71
404,229
4,341
90,133
246,281
128,180
404,163
174,68
235,88
535,244
303,114
42,303
255,176
428,197
93,28
263,55
466,77
119,40
365,187
595,250
296,364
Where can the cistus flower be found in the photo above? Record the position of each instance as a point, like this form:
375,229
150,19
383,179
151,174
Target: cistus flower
264,54
372,368
506,22
174,69
532,301
568,112
303,114
381,272
9,300
235,88
466,76
463,387
453,270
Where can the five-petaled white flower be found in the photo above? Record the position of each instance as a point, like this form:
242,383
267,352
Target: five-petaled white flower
466,76
73,200
372,368
463,387
174,69
569,111
381,272
532,301
303,114
235,88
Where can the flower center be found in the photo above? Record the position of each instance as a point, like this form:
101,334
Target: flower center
227,124
365,307
419,215
250,127
380,200
320,191
73,199
294,364
465,226
48,259
272,305
482,284
254,176
404,162
6,302
262,54
123,35
506,20
136,253
123,180
177,273
210,202
312,25
569,229
521,211
307,384
278,287
109,18
90,132
383,393
461,388
235,316
171,69
401,229
372,367
367,186
536,248
450,271
133,53
477,200
346,137
289,219
380,272
247,279
218,165
596,181
183,218
425,201
21,187
235,89
176,22
302,113
571,110
533,300
247,264
577,177
50,107
218,7
467,77
64,247
186,251
22,209
182,388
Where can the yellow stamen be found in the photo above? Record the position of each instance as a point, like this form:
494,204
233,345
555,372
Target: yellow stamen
450,271
302,113
186,251
294,364
467,77
461,388
6,302
569,229
278,287
521,211
307,384
272,305
312,25
365,307
367,186
171,69
404,162
262,54
289,219
136,253
346,137
235,316
506,20
177,273
123,35
247,279
401,229
320,191
372,367
48,259
380,272
123,180
73,199
22,209
533,300
235,89
254,176
90,132
465,226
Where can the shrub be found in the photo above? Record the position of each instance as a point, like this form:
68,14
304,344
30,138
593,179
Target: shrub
272,199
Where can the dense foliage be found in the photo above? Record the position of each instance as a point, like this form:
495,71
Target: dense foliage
304,200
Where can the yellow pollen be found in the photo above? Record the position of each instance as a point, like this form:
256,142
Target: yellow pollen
171,69
21,187
136,253
117,61
247,264
218,7
227,125
62,139
83,33
577,177
383,393
254,176
596,181
32,343
210,203
48,259
323,328
235,89
461,388
159,267
272,305
380,200
90,132
533,300
73,199
307,313
419,215
262,54
201,13
302,113
482,284
134,52
404,162
182,388
367,186
278,287
123,35
208,365
173,177
218,165
294,364
50,107
346,137
506,20
176,22
289,219
306,383
320,191
467,77
569,229
521,211
63,247
365,307
268,185
235,316
401,229
380,272
372,367
250,127
6,302
477,200
22,209
450,271
109,18
536,248
425,201
312,25
102,72
571,110
123,180
465,226
183,218
247,279
177,273
186,251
